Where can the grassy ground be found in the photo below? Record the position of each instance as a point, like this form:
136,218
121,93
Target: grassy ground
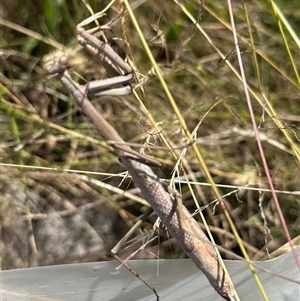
52,215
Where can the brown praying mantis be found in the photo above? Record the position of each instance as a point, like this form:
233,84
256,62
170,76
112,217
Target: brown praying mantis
164,200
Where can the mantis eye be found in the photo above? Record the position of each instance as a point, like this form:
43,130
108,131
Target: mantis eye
56,63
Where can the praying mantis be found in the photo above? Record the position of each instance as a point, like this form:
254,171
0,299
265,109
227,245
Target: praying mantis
164,200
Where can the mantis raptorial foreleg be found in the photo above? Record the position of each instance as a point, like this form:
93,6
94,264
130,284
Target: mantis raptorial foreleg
113,63
179,223
101,51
